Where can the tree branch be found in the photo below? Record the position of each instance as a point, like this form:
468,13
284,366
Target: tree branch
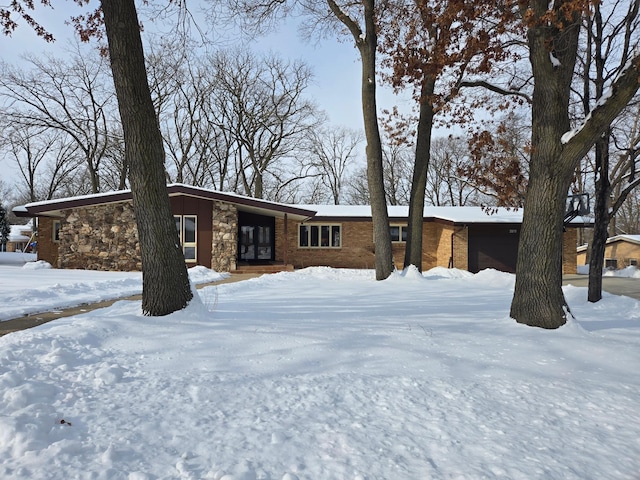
493,88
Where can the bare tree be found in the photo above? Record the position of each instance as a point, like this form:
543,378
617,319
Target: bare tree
333,151
604,37
47,160
114,168
71,96
397,162
627,220
445,184
264,109
357,191
357,20
180,87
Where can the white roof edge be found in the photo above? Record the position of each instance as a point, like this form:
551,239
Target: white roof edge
456,214
627,237
77,197
24,208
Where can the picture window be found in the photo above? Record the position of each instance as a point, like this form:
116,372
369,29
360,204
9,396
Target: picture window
320,236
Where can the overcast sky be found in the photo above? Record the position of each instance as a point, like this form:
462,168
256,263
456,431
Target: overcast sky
335,65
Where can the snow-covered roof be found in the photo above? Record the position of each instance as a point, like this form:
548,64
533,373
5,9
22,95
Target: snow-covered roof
452,214
300,211
618,238
18,233
244,203
628,238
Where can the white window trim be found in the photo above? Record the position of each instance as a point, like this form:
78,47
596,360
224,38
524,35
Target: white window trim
401,226
184,244
319,225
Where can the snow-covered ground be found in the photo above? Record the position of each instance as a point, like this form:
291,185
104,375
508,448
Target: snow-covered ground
320,374
627,272
36,287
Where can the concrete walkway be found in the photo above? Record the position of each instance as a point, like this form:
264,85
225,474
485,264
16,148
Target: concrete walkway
36,319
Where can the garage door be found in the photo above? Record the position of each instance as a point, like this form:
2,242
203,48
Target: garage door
493,250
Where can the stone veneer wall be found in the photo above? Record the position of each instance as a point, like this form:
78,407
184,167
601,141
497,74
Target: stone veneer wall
224,243
103,237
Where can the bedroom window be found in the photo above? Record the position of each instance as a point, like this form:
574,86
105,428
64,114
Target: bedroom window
187,233
398,233
319,236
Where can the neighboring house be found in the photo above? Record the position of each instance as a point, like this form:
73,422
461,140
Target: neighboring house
229,232
20,237
620,251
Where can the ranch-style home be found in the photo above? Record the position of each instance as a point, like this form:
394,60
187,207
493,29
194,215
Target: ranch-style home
620,251
229,232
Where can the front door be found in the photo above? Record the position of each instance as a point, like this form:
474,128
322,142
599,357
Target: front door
256,238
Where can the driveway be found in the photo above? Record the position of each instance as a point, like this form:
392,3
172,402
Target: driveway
615,285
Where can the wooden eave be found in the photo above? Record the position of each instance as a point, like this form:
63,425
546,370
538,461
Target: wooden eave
53,208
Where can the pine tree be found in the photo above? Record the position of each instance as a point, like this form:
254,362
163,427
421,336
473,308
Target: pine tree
5,229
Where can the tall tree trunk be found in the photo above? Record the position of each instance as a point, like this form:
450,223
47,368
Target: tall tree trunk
602,217
367,43
538,299
165,282
375,174
413,247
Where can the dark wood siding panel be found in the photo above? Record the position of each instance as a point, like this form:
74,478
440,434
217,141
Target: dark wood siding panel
182,205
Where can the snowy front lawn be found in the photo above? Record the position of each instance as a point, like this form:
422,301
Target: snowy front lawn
327,374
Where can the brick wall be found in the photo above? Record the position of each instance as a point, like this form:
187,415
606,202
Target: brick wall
357,247
459,236
47,247
569,253
581,257
622,251
357,250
